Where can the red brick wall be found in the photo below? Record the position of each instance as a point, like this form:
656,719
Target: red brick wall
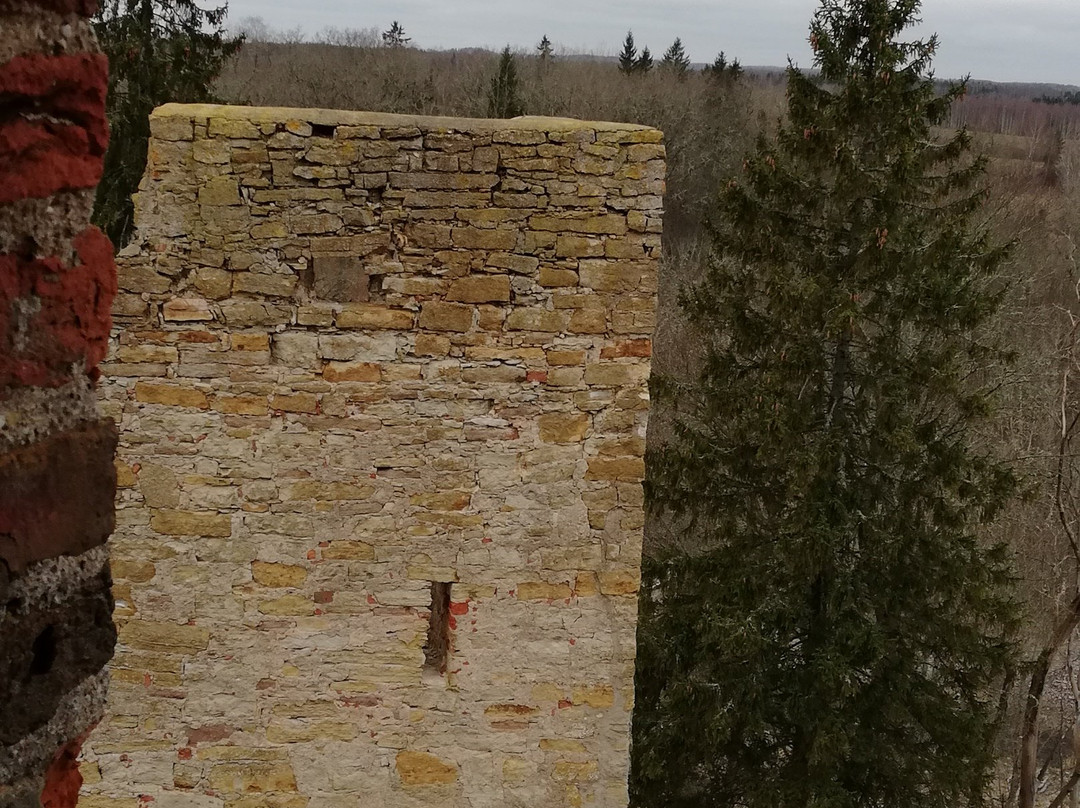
57,479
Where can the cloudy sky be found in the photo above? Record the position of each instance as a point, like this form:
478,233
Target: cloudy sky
1001,40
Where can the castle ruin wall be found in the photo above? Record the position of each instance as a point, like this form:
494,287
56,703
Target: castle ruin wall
381,384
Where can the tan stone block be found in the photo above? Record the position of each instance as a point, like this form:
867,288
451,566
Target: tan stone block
167,638
565,745
352,372
249,342
296,402
270,230
159,486
600,224
536,320
315,315
612,374
611,276
147,353
135,571
252,778
560,427
627,348
599,696
436,316
170,395
616,468
345,550
233,129
240,405
443,501
620,582
431,345
570,772
480,289
125,475
586,585
542,590
422,769
588,321
474,238
219,191
171,127
516,770
327,492
103,801
187,309
552,277
546,691
280,732
192,523
248,313
371,316
288,606
277,575
571,246
260,283
565,358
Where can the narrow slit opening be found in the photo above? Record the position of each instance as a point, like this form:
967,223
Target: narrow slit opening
437,647
323,130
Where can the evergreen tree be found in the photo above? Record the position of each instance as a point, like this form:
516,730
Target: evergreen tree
628,59
545,50
829,628
719,66
159,51
644,62
675,59
503,99
735,70
394,36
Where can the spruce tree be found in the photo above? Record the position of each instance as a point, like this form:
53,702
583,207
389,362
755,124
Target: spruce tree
675,59
159,51
503,99
829,626
644,62
394,36
628,58
545,50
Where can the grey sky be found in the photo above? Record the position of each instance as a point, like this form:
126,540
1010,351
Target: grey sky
1001,40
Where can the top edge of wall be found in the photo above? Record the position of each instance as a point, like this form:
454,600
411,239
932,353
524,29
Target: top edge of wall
426,123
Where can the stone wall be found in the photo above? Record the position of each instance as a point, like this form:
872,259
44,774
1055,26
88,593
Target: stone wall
381,383
57,478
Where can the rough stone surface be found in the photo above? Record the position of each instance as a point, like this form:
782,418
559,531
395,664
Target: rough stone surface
308,460
57,476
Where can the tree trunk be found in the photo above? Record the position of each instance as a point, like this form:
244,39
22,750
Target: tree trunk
1029,743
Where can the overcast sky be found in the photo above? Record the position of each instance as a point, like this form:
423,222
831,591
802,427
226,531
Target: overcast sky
1001,40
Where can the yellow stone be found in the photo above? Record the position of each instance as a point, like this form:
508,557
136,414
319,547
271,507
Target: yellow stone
349,551
552,277
567,771
437,316
431,345
373,317
240,405
536,320
192,523
136,571
620,582
277,575
170,395
251,778
352,372
541,590
627,469
563,427
250,342
443,501
566,358
599,696
297,402
125,475
328,492
565,745
164,637
422,769
480,289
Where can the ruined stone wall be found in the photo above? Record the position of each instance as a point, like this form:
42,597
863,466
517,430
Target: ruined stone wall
57,479
381,383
